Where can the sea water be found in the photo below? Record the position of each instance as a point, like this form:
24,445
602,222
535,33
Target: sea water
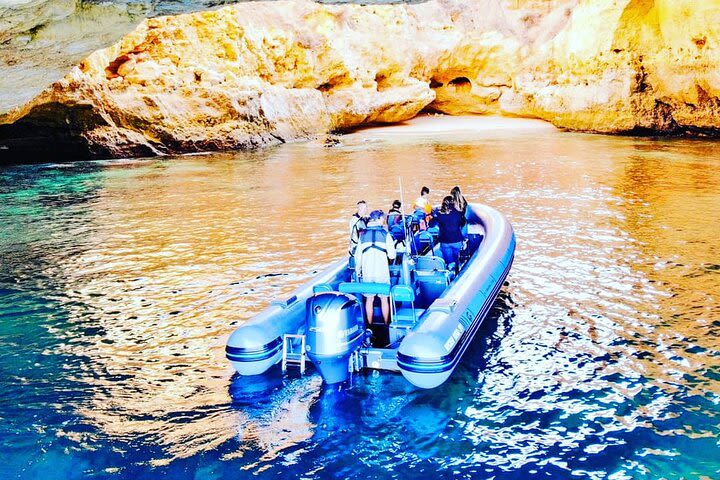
121,280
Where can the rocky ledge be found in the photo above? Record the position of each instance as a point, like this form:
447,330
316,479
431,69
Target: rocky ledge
254,74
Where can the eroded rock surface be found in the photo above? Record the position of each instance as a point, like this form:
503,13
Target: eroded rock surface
638,66
253,74
40,40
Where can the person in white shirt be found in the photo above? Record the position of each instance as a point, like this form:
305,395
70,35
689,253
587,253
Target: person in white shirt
375,247
423,201
422,208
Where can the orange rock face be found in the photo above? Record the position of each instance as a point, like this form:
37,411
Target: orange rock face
253,74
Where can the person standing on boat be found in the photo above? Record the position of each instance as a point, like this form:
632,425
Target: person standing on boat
459,201
375,248
460,205
395,222
450,222
394,215
358,223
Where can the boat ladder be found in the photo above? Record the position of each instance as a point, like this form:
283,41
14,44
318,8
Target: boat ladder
289,355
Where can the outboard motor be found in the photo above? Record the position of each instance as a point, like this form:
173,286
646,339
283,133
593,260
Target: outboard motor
334,332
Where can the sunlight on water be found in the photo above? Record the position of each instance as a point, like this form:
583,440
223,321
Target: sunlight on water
121,280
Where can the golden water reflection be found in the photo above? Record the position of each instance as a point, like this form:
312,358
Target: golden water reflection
616,242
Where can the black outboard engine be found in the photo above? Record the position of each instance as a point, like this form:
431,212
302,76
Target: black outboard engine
334,331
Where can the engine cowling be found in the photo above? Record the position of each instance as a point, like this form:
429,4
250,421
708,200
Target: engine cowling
334,331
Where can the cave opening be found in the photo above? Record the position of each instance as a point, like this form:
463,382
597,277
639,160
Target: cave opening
461,83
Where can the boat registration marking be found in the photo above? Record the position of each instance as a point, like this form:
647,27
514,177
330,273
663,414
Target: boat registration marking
457,333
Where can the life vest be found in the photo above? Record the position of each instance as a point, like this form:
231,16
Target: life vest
394,216
376,237
357,229
395,225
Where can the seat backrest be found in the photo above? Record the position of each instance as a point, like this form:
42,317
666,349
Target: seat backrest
403,293
425,237
430,262
430,287
322,287
364,288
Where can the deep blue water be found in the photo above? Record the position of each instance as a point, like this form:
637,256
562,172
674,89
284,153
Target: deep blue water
120,281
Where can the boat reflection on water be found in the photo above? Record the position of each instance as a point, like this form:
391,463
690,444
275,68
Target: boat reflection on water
276,411
273,414
245,391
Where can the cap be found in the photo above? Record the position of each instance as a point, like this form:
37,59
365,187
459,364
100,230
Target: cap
376,215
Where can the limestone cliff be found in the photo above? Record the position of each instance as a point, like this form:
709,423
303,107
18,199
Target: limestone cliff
258,73
40,40
639,66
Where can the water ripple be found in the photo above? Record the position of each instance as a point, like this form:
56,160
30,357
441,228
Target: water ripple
120,281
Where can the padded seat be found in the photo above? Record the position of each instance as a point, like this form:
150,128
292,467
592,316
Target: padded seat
364,288
430,263
422,241
425,238
406,317
430,286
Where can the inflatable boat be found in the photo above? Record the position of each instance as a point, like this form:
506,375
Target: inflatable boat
435,312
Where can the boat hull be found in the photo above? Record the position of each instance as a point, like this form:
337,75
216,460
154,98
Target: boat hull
257,345
431,350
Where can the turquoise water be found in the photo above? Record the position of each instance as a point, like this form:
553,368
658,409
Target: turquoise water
120,281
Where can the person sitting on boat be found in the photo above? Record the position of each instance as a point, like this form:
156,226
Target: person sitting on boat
423,201
422,208
358,223
450,236
374,249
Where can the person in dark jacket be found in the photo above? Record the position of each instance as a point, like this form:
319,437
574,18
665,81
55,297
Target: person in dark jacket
394,216
450,237
395,223
460,205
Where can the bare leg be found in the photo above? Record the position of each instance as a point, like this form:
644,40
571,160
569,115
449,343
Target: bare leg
369,308
385,306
